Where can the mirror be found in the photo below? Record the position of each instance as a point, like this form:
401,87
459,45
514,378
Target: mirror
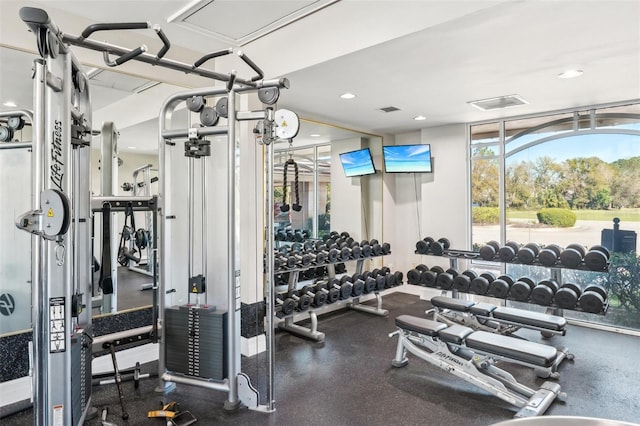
355,207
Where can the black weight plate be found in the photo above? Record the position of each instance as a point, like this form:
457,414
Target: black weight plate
385,270
526,255
436,248
422,247
461,282
304,302
507,278
488,252
369,284
437,269
528,280
413,276
428,279
288,306
386,248
592,302
381,282
570,257
555,248
595,260
345,290
470,273
390,280
356,252
547,257
499,288
575,287
334,254
344,279
552,284
603,249
422,267
489,276
366,250
507,253
596,288
399,277
566,298
373,241
306,260
358,288
542,295
319,299
520,291
444,280
479,285
333,296
445,243
321,257
579,247
376,249
452,271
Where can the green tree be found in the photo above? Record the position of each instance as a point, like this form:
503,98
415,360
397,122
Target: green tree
484,181
519,186
625,183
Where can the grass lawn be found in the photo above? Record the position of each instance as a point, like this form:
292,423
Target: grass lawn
625,215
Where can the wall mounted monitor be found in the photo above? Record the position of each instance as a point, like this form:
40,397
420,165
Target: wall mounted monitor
407,158
357,163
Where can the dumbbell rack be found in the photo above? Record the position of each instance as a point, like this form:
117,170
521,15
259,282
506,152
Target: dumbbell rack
556,275
312,332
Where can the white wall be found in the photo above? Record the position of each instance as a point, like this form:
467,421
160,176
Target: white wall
428,204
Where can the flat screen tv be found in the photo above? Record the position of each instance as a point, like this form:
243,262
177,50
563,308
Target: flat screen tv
357,163
407,158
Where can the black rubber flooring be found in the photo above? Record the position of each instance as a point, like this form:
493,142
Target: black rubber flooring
348,380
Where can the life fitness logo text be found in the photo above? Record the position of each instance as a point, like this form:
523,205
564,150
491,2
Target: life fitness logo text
7,304
57,165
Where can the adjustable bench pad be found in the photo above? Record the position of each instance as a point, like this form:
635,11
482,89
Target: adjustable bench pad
535,319
451,303
511,347
420,325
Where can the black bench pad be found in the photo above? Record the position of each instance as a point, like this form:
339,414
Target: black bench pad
535,319
420,325
451,303
514,348
455,334
482,309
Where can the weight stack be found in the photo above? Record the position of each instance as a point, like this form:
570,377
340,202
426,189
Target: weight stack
80,383
196,342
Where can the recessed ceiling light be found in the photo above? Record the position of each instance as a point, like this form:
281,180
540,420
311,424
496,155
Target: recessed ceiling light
570,74
419,117
10,104
314,135
132,147
347,96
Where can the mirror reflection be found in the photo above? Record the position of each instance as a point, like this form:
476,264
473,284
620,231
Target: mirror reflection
118,98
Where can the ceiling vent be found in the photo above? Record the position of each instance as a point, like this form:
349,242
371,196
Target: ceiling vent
237,23
499,102
389,109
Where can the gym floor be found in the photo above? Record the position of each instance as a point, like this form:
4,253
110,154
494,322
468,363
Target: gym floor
348,380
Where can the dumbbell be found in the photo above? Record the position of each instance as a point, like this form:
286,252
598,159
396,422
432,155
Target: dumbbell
280,235
413,275
320,271
345,254
384,270
303,301
321,257
285,305
543,292
593,299
358,288
445,279
596,258
508,251
318,297
437,248
289,235
528,253
422,246
429,277
340,268
381,282
369,284
549,255
481,283
308,274
386,249
489,250
376,248
521,289
572,255
501,286
393,279
366,248
463,281
333,294
344,287
567,296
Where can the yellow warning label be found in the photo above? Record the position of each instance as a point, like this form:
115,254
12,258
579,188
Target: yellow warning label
50,213
284,124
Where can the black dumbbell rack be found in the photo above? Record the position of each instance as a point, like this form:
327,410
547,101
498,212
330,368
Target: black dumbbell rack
288,321
556,274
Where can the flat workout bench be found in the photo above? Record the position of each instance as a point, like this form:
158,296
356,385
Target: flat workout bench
471,354
501,320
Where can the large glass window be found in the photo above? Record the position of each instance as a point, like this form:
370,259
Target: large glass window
585,163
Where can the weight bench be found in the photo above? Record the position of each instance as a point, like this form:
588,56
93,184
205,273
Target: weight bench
501,320
470,355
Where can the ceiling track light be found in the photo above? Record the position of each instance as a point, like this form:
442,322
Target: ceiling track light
347,96
571,73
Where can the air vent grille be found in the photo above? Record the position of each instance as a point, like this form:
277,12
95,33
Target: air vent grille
499,102
389,109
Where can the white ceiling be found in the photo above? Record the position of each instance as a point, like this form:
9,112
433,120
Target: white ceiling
425,57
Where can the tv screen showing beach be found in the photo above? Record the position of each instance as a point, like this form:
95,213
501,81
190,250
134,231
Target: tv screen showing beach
407,158
357,163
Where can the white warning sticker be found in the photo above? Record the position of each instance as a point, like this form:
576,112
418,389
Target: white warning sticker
57,326
58,415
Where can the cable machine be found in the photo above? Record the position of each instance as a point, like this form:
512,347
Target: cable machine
62,207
